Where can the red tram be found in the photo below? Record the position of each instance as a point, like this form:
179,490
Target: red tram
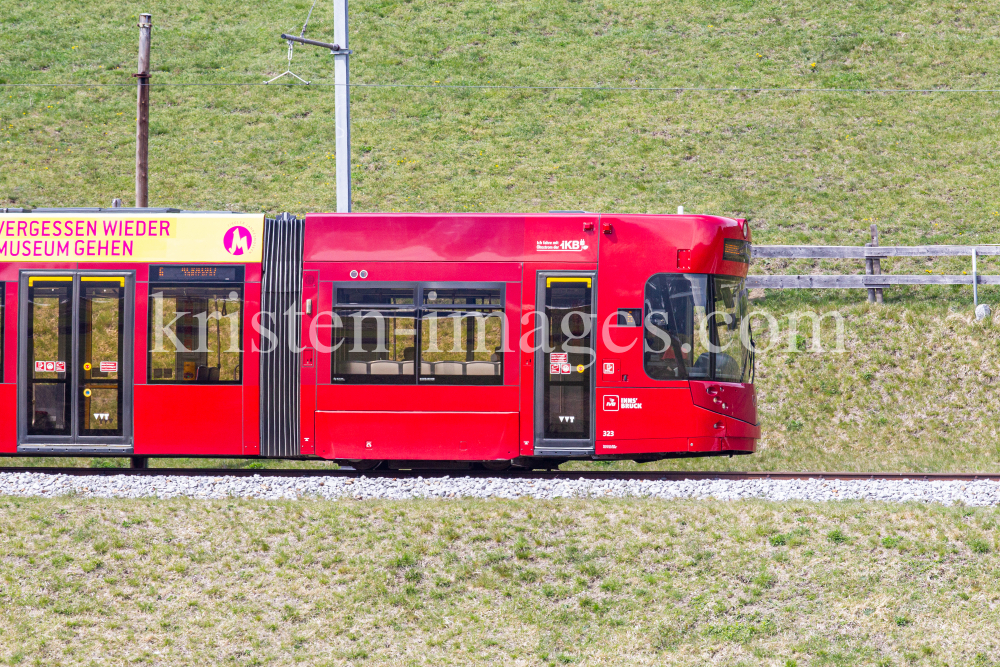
414,340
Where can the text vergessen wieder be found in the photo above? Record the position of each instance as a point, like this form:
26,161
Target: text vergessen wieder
76,238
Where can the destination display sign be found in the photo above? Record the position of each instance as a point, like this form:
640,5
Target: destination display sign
194,274
172,237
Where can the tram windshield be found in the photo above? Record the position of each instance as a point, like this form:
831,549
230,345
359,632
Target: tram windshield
692,328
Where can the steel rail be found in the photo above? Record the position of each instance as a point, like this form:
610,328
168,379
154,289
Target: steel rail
651,475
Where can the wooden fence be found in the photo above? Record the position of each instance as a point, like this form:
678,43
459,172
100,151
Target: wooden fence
872,254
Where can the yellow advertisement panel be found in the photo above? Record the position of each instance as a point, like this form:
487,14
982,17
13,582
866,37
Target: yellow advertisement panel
133,237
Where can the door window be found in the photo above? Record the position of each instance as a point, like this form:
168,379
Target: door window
49,363
102,309
75,349
568,358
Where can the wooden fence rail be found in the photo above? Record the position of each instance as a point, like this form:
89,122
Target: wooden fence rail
872,253
865,252
862,282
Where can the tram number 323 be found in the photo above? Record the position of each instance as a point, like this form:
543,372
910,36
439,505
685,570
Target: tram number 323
609,434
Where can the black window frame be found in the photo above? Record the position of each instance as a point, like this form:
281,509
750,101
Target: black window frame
748,358
155,287
419,310
343,310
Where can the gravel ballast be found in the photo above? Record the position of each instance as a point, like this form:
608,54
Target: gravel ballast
983,492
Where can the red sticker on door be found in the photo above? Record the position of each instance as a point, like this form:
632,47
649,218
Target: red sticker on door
50,366
109,366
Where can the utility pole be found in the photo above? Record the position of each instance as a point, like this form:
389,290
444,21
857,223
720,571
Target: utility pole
142,114
342,105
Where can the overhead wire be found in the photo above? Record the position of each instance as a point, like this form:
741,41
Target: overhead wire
637,89
308,16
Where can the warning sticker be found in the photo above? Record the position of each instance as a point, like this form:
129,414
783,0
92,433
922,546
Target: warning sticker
50,366
559,363
109,366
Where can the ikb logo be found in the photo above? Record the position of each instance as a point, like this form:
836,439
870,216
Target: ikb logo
611,403
566,245
237,240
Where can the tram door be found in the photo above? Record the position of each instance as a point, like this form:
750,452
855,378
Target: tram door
74,362
564,364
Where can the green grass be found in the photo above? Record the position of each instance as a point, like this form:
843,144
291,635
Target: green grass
805,167
496,582
813,167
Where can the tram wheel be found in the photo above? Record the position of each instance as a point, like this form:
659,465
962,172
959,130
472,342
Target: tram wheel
495,466
365,464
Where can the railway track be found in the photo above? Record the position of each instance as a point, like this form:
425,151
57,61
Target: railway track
510,474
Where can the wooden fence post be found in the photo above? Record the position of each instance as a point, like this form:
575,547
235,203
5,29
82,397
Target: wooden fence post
868,272
975,280
876,264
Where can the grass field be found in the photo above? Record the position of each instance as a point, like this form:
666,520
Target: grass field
810,166
177,582
917,388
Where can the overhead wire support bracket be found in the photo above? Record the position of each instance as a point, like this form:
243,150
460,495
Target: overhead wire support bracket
291,39
342,98
334,48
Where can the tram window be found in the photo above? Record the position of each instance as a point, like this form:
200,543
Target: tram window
485,298
451,335
732,358
689,334
675,330
461,336
387,296
195,333
376,343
